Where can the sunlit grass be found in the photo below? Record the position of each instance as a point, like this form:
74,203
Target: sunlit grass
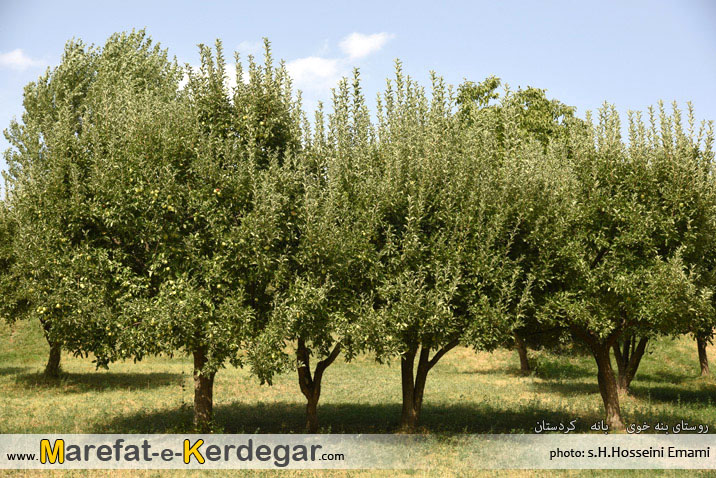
467,392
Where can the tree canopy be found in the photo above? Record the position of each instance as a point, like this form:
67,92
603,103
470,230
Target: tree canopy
153,208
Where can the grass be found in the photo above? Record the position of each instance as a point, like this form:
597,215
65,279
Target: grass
467,392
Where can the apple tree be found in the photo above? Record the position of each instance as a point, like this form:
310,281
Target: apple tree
320,290
447,215
617,274
189,197
682,191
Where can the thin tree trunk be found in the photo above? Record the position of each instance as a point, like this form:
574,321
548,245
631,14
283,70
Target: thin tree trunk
203,393
52,369
628,356
311,385
608,386
522,352
413,385
408,415
605,375
312,415
701,343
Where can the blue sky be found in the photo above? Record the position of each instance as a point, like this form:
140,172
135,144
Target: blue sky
631,53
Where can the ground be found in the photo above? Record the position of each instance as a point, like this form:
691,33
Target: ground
467,392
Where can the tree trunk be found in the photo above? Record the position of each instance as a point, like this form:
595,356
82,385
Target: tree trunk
203,393
414,385
312,414
628,355
701,343
522,351
607,385
52,369
311,385
605,374
410,413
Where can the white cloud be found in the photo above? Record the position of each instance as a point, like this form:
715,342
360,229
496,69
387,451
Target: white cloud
315,72
358,45
319,73
18,60
250,48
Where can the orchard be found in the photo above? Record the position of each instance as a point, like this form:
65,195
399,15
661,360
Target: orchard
153,209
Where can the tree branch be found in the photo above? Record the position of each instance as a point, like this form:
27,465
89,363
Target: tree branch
600,255
325,363
638,352
439,354
304,371
618,354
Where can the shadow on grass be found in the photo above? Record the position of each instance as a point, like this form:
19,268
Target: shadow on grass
704,396
12,370
553,369
663,394
547,367
289,417
667,376
84,382
485,371
567,389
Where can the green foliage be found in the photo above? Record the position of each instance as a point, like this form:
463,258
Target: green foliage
154,209
450,206
45,181
322,288
631,232
206,211
534,114
72,269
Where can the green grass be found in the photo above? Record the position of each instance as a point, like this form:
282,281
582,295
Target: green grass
467,392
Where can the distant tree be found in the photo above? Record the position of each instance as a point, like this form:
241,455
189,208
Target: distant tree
43,178
478,102
545,120
533,118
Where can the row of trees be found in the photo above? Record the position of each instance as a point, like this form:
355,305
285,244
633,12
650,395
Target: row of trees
152,208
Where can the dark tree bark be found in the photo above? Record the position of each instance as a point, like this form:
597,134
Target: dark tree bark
608,387
522,352
411,404
628,354
52,369
311,385
413,383
605,375
203,393
701,343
